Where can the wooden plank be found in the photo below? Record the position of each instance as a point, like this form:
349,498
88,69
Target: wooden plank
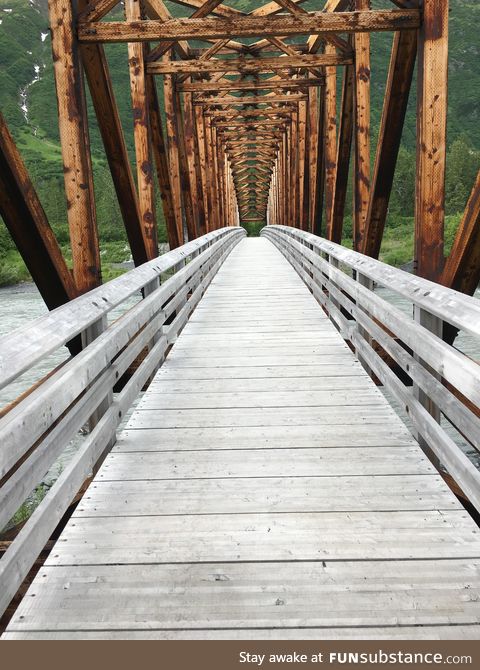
239,538
142,137
310,594
424,632
220,28
28,225
164,400
400,74
262,417
191,439
75,143
431,139
365,493
221,464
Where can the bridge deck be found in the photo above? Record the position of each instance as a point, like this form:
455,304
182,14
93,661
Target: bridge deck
263,488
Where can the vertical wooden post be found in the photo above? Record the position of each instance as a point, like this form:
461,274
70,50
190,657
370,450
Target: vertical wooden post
362,131
402,64
202,159
190,218
173,155
330,140
345,135
320,185
431,139
312,155
161,161
193,167
302,141
74,137
294,168
142,135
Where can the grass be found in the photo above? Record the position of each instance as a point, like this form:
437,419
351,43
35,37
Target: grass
13,269
253,228
28,507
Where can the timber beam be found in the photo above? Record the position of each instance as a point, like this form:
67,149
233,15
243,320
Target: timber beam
272,26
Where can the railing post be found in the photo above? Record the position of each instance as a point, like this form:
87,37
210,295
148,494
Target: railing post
88,336
435,325
368,283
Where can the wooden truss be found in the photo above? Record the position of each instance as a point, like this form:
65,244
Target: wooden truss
252,129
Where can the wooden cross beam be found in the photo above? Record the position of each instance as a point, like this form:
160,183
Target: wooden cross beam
220,28
249,100
260,85
248,113
247,66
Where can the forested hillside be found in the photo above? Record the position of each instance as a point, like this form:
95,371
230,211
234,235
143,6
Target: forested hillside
27,99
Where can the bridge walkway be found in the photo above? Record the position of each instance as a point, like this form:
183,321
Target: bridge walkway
263,488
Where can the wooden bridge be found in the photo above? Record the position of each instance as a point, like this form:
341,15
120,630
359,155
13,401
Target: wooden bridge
263,486
263,445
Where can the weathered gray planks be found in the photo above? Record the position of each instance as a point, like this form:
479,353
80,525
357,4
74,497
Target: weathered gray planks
262,489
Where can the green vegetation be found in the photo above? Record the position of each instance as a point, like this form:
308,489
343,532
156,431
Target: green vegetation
22,48
253,228
26,510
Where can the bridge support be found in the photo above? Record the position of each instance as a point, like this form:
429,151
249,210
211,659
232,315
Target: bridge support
75,141
431,139
27,223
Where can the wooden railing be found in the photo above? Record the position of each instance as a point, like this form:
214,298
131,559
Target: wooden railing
36,430
437,385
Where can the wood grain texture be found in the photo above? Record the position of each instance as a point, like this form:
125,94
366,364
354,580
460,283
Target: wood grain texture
248,26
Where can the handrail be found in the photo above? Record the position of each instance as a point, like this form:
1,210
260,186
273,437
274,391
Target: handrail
34,432
436,380
47,333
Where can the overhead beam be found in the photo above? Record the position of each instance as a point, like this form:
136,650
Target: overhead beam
249,99
248,26
246,66
260,85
